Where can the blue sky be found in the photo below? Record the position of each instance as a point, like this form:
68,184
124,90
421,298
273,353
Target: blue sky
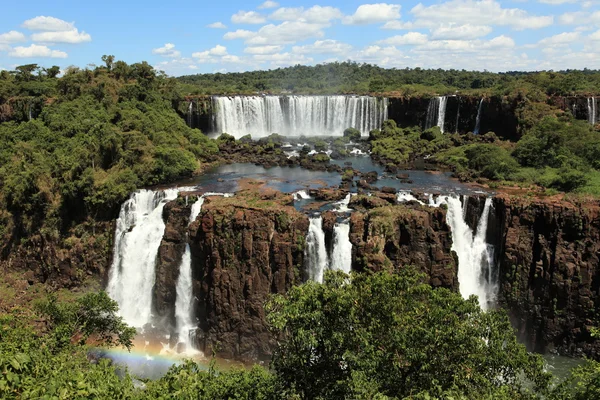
232,35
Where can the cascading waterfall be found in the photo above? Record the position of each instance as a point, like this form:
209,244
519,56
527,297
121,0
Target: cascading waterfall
316,253
442,112
475,259
432,112
457,114
591,103
138,234
476,273
341,255
478,120
190,114
261,116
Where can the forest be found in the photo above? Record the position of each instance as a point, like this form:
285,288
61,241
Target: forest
73,147
351,77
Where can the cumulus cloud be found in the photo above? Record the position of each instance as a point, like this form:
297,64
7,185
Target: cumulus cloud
411,38
217,25
580,18
287,32
373,13
560,39
556,2
43,23
595,35
283,59
35,50
168,50
466,32
268,4
239,34
327,46
315,14
485,12
70,36
216,54
12,37
263,49
247,17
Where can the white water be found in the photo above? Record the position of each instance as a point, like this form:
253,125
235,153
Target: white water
442,112
301,195
475,256
261,116
341,255
189,114
316,253
591,103
184,304
139,231
402,197
342,205
478,120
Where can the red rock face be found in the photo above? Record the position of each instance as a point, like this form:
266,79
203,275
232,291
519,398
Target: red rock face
241,255
391,237
549,271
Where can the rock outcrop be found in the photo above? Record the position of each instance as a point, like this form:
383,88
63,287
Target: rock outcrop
549,271
390,237
244,249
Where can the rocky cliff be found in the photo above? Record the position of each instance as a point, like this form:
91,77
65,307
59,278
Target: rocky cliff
390,237
244,249
549,271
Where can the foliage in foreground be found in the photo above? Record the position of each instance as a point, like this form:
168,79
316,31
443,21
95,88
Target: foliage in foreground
378,336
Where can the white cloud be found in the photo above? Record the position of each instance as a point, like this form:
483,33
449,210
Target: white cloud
466,32
327,46
263,49
288,32
247,17
43,23
555,2
398,25
217,25
315,14
283,59
216,54
373,13
12,37
560,39
268,4
35,50
595,35
485,12
70,36
410,38
580,18
239,34
168,50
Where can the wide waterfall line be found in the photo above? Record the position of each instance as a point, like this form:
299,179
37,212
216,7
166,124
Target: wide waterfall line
591,103
316,253
139,231
478,119
476,273
341,254
261,116
442,112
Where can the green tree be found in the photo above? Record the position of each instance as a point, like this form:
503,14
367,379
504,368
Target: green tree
397,336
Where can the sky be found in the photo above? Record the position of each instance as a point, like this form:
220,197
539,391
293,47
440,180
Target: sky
192,37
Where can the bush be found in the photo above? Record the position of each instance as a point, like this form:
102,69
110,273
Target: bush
491,161
352,134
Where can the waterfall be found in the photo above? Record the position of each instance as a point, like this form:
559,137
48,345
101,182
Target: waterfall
442,112
138,234
316,253
301,195
341,255
189,114
478,120
261,116
457,114
403,196
591,103
432,112
29,112
184,303
475,256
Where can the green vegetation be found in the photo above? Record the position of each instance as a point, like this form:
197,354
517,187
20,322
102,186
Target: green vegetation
378,336
352,77
100,134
